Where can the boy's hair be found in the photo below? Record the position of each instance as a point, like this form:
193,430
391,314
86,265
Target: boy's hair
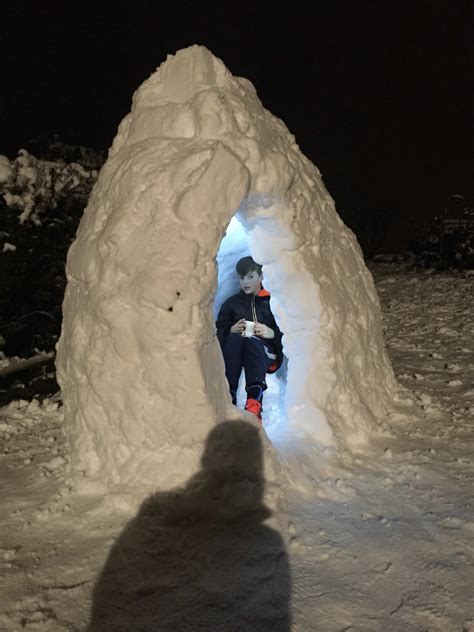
246,265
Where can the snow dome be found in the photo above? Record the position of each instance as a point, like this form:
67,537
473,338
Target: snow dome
200,172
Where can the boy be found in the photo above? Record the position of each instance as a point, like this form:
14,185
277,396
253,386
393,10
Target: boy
259,354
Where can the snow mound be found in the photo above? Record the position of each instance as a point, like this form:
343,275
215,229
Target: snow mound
139,364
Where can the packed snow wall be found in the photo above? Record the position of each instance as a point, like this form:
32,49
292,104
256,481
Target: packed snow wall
139,365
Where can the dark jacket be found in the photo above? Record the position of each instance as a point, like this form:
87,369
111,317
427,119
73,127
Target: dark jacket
242,305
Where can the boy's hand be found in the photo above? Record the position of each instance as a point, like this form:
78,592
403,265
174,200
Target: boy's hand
239,327
264,331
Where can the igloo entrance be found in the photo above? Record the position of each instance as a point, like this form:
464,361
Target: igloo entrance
295,404
235,245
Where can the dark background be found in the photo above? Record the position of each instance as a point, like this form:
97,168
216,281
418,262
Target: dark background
377,93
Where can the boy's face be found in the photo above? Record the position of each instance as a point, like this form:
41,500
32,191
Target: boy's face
251,283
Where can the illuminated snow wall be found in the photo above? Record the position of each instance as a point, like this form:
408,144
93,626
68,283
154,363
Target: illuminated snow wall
140,368
235,245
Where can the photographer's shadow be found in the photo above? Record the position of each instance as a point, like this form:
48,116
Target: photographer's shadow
200,557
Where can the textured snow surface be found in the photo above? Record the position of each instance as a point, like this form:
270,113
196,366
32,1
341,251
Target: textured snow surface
139,365
395,553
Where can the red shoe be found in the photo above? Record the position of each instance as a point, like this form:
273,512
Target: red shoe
255,407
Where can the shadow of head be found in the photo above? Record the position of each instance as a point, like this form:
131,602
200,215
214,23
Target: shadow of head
229,485
234,448
200,556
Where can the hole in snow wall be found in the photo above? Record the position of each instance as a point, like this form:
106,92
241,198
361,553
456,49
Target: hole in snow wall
139,365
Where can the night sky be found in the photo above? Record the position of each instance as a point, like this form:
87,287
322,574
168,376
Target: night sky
377,93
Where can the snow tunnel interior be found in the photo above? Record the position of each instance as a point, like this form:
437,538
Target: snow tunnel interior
234,245
285,397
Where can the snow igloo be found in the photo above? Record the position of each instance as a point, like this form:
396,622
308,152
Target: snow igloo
199,174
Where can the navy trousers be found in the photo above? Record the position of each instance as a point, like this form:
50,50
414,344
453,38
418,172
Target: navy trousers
251,354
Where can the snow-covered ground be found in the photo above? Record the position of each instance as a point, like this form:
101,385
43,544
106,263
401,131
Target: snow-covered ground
393,553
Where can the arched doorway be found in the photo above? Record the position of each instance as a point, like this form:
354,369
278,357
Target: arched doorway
235,245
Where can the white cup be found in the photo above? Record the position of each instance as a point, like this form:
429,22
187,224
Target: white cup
249,329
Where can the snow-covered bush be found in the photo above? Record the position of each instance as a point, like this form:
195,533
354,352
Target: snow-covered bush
31,186
53,149
41,203
448,243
